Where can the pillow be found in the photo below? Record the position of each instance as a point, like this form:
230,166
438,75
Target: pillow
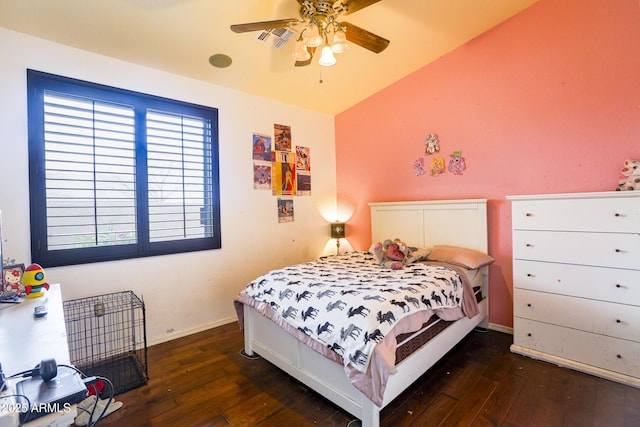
417,254
464,257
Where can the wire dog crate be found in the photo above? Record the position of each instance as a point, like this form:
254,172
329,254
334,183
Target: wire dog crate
107,337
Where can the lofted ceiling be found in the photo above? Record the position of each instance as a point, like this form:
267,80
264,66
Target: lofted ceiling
179,36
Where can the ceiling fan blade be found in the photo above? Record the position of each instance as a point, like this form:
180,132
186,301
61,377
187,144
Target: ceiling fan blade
311,50
364,38
264,25
356,5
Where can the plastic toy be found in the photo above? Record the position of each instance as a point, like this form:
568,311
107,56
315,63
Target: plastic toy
34,281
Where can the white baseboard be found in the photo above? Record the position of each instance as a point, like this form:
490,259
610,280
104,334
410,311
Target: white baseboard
185,332
578,366
501,328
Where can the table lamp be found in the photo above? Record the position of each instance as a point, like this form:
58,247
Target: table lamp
338,232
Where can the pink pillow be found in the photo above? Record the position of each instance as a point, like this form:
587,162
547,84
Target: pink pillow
464,257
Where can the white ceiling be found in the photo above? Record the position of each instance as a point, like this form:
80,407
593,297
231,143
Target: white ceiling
179,36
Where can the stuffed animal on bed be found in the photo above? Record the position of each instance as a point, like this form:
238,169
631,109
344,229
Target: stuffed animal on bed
391,253
631,171
396,254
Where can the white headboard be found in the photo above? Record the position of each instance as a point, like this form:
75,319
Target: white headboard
428,223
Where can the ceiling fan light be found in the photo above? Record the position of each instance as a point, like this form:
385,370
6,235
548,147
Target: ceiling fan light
312,36
339,42
326,57
301,53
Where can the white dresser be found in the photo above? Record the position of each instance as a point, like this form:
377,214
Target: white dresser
576,280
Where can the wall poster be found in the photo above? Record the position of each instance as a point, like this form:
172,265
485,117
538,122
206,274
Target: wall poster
282,135
303,171
261,147
285,210
262,175
283,173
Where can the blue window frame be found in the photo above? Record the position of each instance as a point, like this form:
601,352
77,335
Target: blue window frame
117,174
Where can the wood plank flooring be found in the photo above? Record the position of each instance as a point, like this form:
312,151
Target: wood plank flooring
203,380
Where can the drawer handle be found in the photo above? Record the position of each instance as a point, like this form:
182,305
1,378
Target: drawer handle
529,245
618,285
529,305
528,214
619,251
619,356
529,334
530,275
618,321
618,214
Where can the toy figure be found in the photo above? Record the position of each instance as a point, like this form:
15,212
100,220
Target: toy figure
631,172
13,281
432,144
456,163
437,166
34,281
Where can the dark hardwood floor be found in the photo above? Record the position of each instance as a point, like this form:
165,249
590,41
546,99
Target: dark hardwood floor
202,380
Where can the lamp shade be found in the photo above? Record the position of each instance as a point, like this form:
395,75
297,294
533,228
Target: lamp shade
326,57
301,53
339,42
312,36
338,230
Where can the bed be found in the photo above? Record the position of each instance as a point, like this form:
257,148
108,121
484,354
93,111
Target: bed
423,224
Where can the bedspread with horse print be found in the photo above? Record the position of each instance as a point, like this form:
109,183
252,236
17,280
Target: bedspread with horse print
349,303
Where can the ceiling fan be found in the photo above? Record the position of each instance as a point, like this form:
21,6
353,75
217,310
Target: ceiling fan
317,25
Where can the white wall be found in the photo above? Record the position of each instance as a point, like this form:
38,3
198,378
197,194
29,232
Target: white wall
184,293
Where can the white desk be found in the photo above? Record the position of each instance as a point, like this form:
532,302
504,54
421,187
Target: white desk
26,340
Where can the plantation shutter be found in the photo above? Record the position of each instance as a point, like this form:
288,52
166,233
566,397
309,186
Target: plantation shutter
90,172
178,166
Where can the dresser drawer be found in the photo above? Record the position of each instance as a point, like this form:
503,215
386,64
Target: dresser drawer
600,351
602,249
598,283
584,214
600,317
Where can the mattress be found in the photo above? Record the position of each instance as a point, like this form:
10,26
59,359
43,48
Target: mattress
408,343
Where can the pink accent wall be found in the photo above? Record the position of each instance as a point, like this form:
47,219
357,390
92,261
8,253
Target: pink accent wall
547,102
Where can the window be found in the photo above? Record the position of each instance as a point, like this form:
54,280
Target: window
117,174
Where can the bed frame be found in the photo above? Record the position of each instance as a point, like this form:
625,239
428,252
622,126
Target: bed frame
424,224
